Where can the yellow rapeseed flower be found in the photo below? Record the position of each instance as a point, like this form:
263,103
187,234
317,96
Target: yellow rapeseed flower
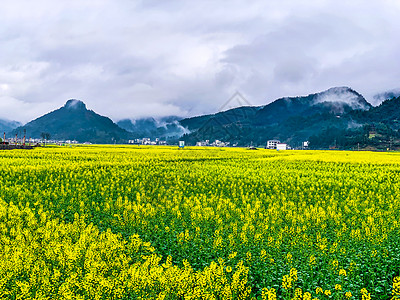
396,287
348,295
287,282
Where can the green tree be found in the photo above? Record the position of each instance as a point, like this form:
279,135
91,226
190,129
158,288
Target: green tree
45,136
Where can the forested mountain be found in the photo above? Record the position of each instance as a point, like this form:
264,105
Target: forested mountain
376,128
74,121
291,119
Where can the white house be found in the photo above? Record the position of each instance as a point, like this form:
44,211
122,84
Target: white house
281,146
271,144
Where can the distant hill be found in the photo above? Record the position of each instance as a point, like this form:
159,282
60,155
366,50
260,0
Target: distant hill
74,121
7,126
291,119
323,117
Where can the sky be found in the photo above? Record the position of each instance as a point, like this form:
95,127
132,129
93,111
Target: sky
140,58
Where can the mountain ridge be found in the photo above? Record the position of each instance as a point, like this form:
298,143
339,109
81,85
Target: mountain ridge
289,119
337,114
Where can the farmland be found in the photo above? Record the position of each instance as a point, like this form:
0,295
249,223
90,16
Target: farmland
103,222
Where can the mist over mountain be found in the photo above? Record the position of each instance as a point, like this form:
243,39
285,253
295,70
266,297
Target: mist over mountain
289,119
338,100
74,121
387,95
165,128
6,125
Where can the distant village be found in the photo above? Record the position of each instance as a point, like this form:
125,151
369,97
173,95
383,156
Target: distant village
33,142
148,141
271,144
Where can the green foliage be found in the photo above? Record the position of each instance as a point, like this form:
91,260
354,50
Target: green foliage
130,222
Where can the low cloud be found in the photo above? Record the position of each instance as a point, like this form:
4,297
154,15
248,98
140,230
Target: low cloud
15,109
342,95
128,59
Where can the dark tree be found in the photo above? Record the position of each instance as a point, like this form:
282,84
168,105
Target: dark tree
45,136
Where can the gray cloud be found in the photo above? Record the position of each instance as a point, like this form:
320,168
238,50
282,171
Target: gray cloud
128,59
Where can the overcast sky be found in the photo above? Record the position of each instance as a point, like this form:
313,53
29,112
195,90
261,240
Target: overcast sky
131,58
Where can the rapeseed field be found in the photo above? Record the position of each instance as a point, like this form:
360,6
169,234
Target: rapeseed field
135,222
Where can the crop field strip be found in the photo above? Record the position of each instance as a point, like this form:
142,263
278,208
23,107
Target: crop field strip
128,222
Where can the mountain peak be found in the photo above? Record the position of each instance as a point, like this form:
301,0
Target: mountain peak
343,95
75,104
338,89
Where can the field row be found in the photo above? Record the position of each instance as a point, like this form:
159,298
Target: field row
106,222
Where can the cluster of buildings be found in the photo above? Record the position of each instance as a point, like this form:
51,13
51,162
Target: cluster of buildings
147,141
216,143
31,141
271,144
